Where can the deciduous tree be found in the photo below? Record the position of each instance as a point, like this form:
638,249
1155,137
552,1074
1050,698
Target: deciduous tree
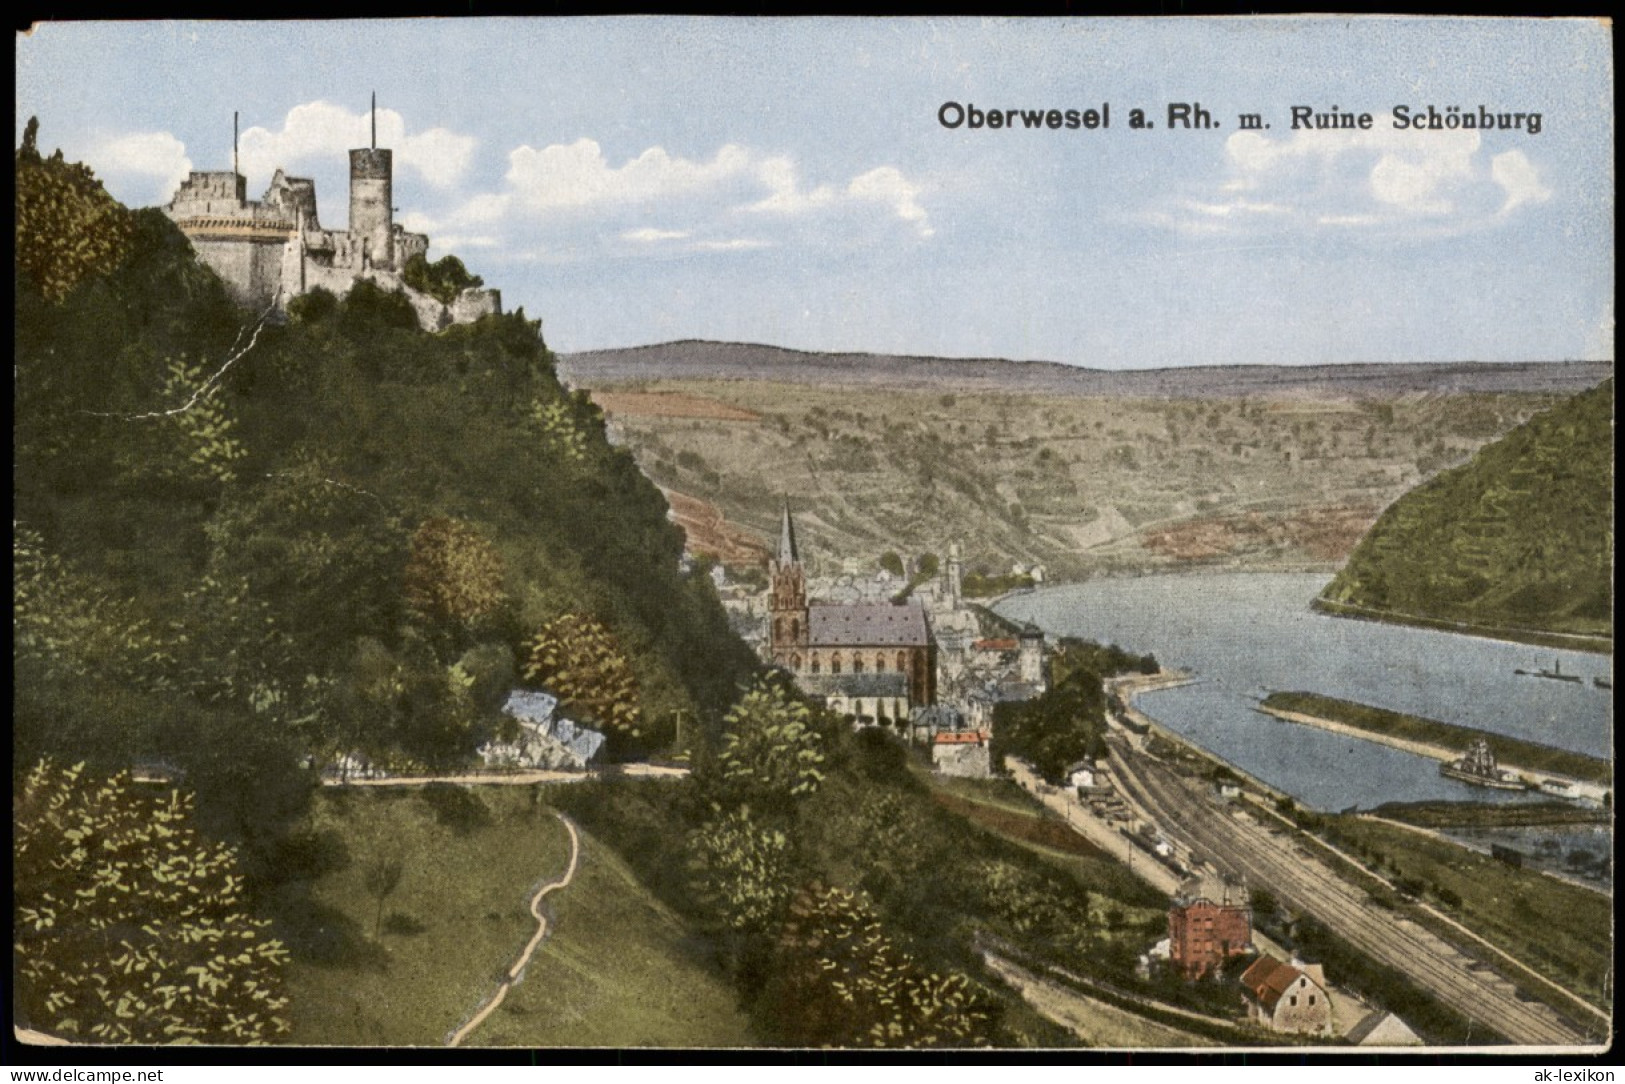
771,753
839,980
130,926
68,227
577,659
743,870
454,576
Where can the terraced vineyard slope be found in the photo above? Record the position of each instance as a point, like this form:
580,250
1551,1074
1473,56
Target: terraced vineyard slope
1516,543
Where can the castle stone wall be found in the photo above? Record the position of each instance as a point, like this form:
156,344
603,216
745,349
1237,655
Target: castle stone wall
293,197
251,270
471,305
220,193
408,245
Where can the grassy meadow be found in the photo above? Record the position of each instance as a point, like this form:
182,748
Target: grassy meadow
615,970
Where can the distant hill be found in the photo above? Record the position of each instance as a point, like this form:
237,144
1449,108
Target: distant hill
699,360
1517,542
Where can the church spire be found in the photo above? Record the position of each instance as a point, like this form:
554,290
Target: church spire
787,540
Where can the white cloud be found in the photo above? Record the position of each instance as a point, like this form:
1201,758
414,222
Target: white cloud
578,175
1347,220
1426,183
887,186
564,188
1237,206
650,235
462,241
440,155
785,193
737,244
156,157
318,130
1520,180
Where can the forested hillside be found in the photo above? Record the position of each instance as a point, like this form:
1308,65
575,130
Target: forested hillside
1518,540
245,542
246,546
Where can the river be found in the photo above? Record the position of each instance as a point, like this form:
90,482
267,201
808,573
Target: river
1246,634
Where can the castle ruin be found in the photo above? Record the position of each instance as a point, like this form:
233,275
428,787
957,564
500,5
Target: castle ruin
270,250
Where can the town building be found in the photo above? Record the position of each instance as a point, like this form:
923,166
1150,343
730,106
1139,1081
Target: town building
962,753
1384,1029
872,661
271,250
1287,997
545,739
1203,935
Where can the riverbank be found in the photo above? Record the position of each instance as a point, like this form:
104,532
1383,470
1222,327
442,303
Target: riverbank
1128,686
1547,768
1480,815
1567,641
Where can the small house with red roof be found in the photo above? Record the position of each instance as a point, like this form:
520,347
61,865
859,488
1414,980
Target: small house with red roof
962,753
1287,997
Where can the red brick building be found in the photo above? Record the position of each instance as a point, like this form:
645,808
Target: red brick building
1202,935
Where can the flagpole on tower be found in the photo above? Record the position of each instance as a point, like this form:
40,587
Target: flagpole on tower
375,120
234,168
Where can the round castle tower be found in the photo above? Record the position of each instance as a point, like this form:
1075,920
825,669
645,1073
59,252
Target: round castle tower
372,214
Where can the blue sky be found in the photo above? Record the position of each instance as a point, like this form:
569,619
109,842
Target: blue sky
635,180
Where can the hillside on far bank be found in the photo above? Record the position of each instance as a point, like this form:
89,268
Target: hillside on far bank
1084,472
1517,542
695,359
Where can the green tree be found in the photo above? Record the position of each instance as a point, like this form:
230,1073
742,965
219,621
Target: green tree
892,563
578,660
130,926
443,280
742,870
562,436
454,576
771,753
206,428
839,980
1056,729
68,227
383,877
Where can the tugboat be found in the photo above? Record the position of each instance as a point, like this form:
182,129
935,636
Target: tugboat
1478,767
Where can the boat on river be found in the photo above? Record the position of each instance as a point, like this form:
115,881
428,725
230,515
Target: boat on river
1554,674
1478,767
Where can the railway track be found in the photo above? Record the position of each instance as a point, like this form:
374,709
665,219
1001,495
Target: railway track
1252,851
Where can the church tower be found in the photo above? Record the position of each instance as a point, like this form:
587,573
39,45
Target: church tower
1031,639
787,628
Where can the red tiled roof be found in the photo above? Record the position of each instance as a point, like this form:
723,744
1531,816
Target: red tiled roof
1268,978
958,737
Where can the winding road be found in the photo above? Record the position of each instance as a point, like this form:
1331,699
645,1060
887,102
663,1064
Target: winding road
489,1006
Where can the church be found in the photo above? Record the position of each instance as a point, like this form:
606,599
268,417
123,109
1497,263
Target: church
873,662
